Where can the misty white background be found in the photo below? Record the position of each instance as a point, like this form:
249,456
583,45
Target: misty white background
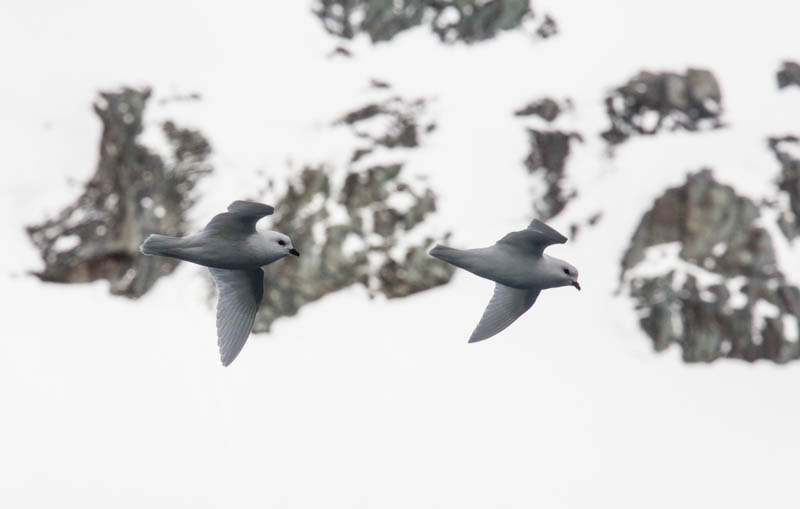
108,402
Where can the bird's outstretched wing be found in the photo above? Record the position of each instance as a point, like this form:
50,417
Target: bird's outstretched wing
240,219
240,293
507,305
534,238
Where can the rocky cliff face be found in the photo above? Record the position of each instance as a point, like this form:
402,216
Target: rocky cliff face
133,192
788,182
701,269
352,224
464,20
547,159
788,74
704,275
363,224
349,233
701,266
650,102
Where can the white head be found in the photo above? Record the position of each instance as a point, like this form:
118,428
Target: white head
278,244
560,273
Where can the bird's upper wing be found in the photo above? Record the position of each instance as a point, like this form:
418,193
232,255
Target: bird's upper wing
534,238
507,305
240,293
241,218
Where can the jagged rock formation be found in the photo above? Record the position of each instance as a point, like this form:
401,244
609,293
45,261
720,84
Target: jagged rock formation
650,102
547,158
549,150
789,74
363,246
461,20
789,183
401,117
340,51
704,276
133,192
547,109
360,225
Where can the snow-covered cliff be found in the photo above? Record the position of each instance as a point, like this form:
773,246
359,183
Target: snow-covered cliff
662,139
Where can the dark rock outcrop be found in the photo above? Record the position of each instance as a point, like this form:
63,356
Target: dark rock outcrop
364,246
353,225
788,182
133,192
466,20
401,118
546,108
789,74
650,102
549,150
719,293
548,27
547,159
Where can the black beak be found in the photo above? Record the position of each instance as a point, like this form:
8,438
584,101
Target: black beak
577,285
294,252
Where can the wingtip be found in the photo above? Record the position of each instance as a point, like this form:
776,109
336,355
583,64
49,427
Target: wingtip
536,224
225,359
261,208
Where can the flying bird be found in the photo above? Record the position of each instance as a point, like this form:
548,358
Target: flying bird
520,269
234,253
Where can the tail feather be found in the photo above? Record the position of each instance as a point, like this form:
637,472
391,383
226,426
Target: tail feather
448,254
160,245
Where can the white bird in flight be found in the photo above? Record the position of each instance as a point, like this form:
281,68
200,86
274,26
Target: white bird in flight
234,253
520,269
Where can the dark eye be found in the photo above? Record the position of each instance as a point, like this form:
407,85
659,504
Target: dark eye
566,271
281,242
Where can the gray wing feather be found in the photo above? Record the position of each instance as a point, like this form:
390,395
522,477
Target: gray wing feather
240,219
507,305
240,293
535,238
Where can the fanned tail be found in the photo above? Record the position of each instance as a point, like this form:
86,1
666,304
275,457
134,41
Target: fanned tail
450,255
159,245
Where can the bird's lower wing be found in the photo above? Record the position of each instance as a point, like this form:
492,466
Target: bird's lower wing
240,293
507,305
